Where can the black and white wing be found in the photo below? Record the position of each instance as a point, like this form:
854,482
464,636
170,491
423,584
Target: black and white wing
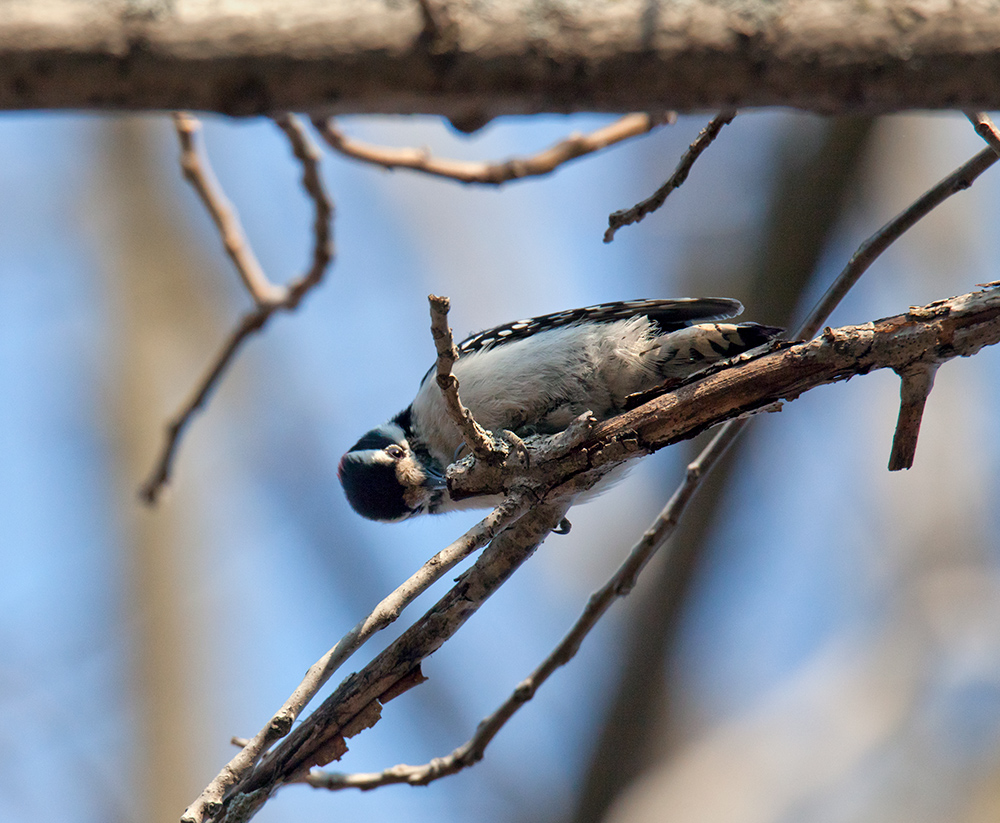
668,315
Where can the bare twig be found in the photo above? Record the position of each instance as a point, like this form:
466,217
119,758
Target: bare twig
704,139
919,379
915,386
958,180
268,297
251,322
383,615
198,172
308,155
493,174
479,441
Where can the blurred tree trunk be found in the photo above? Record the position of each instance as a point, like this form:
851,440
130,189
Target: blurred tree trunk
164,327
475,61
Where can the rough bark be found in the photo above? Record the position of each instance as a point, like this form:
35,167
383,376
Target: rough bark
472,60
932,334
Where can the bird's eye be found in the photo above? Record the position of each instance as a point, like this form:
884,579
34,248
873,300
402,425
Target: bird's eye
395,452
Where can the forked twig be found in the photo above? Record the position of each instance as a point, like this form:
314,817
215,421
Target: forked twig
268,297
705,138
620,584
492,174
918,380
356,703
383,615
867,252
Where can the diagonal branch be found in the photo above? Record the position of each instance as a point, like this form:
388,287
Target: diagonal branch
620,584
383,615
198,172
492,174
752,382
705,138
356,703
248,325
268,297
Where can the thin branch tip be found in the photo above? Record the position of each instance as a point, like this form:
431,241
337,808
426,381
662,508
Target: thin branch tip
626,217
480,442
985,128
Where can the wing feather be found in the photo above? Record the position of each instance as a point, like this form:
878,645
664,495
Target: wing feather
669,315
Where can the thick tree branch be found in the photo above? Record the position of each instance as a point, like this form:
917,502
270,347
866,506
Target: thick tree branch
935,333
472,62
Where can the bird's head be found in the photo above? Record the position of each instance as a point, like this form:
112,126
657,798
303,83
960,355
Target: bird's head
385,479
